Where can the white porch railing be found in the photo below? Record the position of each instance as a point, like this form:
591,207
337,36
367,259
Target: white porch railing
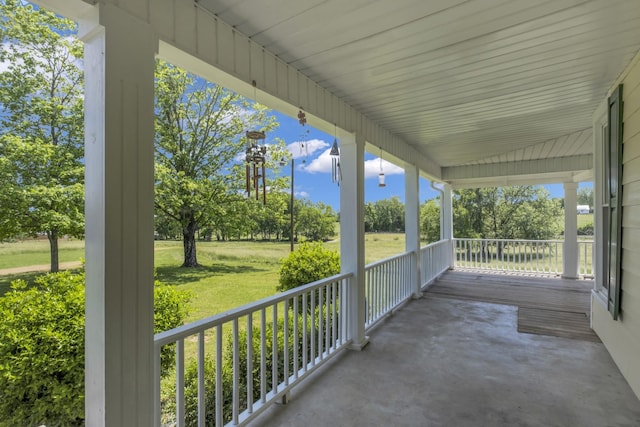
435,259
274,343
529,256
586,258
388,284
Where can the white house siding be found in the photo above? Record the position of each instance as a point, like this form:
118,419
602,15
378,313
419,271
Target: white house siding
622,337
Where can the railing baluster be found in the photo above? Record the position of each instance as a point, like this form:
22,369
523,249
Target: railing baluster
286,342
201,374
334,330
236,371
296,333
274,350
249,378
320,323
219,397
305,338
327,319
180,406
157,369
263,355
313,328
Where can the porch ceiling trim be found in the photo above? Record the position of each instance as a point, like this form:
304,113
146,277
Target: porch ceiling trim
540,171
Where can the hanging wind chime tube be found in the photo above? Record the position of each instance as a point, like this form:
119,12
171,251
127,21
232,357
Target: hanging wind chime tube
336,173
381,174
255,165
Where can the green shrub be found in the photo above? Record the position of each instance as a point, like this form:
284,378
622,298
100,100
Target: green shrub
308,263
191,373
586,230
42,352
42,348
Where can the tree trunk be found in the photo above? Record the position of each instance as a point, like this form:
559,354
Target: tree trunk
53,251
189,242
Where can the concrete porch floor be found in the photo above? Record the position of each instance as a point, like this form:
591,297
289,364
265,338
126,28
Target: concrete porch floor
446,362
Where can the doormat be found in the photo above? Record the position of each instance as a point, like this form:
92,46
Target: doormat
563,324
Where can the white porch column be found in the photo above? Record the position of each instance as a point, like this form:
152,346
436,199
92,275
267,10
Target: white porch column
352,232
412,222
446,221
570,246
119,86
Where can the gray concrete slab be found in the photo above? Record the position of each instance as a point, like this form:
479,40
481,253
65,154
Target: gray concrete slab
445,362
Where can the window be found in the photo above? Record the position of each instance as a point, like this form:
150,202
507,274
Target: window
612,207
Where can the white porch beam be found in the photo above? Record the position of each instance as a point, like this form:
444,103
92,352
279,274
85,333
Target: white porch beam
412,222
119,135
498,171
570,246
352,232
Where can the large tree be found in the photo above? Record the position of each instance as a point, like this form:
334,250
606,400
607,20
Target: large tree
518,212
41,125
200,141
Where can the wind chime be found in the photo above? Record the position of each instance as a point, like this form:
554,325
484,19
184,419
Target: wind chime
304,148
381,174
255,165
336,173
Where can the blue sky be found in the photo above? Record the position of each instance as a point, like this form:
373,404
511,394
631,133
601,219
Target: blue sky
310,148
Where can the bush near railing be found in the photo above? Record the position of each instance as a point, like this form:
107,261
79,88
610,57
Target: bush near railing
306,352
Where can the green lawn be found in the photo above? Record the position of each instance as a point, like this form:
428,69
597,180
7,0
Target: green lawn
232,273
36,252
585,219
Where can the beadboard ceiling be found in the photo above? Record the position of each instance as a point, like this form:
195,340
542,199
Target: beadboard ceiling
466,82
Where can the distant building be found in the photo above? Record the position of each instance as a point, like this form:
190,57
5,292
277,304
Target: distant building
583,209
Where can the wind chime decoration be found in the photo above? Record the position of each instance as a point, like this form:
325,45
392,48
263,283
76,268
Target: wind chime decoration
381,174
336,173
255,165
304,149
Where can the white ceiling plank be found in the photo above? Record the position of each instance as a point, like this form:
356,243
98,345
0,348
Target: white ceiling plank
459,81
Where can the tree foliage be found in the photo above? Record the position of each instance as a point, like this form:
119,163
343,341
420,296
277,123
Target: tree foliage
519,212
430,220
585,196
200,130
385,215
41,123
42,348
308,263
316,222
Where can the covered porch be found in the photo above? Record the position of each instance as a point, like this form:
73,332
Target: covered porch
443,361
465,93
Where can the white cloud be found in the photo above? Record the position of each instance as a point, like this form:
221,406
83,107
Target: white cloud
301,194
372,168
321,164
302,149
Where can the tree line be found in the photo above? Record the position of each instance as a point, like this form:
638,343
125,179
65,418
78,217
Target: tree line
518,212
200,143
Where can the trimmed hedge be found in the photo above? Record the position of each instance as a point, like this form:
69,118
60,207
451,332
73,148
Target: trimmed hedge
42,348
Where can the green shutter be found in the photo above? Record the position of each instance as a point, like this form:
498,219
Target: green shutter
614,192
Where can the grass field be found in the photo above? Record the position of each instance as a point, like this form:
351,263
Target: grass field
231,273
584,220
